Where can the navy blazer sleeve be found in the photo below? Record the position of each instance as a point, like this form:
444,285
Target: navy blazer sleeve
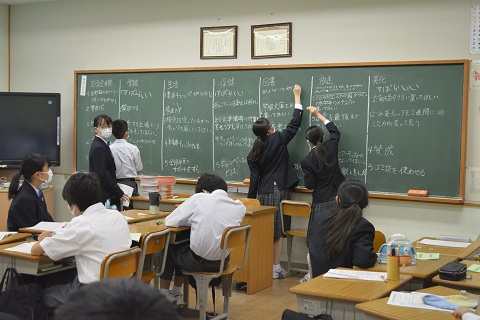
362,238
293,125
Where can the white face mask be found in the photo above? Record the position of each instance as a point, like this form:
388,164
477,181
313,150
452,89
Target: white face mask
72,211
105,133
50,176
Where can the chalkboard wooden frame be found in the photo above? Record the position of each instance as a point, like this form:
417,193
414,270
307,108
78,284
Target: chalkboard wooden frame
395,196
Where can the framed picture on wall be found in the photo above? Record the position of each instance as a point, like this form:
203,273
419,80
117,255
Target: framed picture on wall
272,40
218,42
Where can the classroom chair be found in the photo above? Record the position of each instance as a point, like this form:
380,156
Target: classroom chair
248,201
152,244
378,240
233,237
298,209
121,264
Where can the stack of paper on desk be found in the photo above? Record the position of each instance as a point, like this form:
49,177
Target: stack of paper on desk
410,299
25,247
48,226
443,243
357,275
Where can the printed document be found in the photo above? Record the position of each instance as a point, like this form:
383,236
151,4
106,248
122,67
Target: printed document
357,275
444,243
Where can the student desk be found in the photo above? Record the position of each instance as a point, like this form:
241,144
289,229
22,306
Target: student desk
422,272
27,263
137,215
165,204
16,237
379,309
339,296
460,253
471,285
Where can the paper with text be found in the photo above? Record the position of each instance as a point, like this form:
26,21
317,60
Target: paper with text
48,226
411,300
25,247
357,275
444,243
128,191
4,235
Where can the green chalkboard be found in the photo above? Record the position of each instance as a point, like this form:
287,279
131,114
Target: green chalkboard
402,124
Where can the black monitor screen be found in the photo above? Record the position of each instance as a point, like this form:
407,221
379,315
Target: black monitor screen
29,122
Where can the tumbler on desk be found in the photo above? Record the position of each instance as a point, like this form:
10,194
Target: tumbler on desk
393,268
154,202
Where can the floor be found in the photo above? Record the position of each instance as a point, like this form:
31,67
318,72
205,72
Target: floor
267,304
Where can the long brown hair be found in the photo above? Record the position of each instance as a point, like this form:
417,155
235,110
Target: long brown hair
352,198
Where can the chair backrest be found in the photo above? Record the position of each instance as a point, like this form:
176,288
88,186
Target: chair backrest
378,240
154,242
232,238
248,201
121,264
292,208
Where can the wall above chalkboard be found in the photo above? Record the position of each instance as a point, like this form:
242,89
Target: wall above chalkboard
403,124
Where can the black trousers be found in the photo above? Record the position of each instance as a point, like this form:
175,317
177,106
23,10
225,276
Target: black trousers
181,257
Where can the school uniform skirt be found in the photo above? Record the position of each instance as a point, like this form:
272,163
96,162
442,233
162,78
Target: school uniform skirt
274,199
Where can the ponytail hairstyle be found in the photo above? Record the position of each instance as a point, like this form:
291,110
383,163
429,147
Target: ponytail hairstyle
352,198
315,135
30,164
260,129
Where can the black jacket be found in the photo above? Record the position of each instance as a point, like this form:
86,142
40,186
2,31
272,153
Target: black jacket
358,250
102,163
324,182
27,209
275,164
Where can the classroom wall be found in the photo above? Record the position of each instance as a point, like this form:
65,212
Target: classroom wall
3,47
50,40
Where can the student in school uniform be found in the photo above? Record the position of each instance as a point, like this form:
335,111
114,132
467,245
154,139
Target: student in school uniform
101,161
343,237
465,314
208,213
92,234
320,167
271,172
126,156
28,205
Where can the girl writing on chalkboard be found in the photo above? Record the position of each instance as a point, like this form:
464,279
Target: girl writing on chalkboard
342,237
28,205
271,171
321,169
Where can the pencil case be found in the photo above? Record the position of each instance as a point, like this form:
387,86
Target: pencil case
453,271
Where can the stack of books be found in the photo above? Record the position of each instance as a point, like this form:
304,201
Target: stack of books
165,186
148,184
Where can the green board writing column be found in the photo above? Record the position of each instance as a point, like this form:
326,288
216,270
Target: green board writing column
401,123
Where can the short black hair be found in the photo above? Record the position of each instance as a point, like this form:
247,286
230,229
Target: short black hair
116,299
98,120
119,127
82,189
210,182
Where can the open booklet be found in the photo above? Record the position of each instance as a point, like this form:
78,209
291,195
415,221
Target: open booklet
358,275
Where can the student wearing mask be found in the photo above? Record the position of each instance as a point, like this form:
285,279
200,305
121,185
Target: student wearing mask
28,205
271,172
92,234
102,163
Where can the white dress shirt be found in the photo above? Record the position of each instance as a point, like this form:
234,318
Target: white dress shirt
208,215
127,159
89,237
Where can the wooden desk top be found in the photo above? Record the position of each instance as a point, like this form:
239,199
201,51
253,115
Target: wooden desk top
460,253
22,255
473,283
424,269
381,309
16,237
137,215
147,226
348,289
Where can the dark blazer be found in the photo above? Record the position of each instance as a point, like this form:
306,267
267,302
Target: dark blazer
324,182
358,249
102,163
27,209
275,164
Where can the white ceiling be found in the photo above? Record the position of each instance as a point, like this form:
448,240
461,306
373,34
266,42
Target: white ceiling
14,2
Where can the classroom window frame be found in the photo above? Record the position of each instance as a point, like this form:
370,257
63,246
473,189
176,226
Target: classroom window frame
271,40
218,42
